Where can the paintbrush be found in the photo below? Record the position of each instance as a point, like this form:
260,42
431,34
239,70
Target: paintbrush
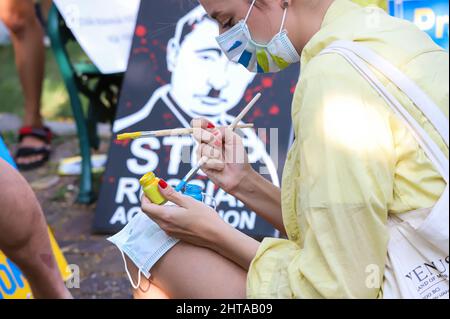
169,132
204,159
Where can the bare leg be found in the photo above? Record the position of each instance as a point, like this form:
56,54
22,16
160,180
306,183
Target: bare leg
24,237
191,272
27,38
149,291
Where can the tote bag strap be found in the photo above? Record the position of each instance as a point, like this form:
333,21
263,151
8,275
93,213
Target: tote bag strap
360,58
426,105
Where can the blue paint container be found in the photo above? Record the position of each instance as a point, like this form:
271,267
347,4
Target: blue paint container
194,191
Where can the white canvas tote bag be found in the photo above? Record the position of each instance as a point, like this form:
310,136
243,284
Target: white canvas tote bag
417,264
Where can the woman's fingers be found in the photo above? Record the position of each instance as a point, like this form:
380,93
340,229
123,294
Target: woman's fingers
205,131
230,138
204,136
155,212
209,151
169,193
214,155
161,215
214,164
234,148
202,123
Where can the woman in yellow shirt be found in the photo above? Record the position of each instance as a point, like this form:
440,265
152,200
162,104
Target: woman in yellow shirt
352,162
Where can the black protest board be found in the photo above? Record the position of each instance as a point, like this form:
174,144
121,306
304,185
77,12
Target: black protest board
177,72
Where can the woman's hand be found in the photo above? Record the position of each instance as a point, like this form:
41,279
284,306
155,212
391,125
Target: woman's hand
190,221
195,223
228,162
229,169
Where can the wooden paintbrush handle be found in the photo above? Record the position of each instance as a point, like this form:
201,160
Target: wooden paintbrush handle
189,131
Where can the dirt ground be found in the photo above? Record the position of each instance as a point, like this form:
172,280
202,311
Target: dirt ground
101,266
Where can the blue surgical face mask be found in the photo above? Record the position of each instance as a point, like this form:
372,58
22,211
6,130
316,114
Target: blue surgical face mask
238,46
144,242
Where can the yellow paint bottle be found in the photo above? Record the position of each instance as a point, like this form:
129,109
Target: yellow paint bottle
149,183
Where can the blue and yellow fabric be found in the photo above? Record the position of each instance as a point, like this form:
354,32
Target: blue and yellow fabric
13,284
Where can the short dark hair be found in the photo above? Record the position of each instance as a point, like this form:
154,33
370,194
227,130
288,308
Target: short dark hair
188,22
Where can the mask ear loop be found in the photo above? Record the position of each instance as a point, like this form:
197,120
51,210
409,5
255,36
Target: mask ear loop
129,275
284,18
249,11
283,21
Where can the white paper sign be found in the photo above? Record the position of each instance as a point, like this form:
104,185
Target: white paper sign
103,28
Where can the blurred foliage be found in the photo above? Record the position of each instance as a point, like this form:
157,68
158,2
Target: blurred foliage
55,101
9,137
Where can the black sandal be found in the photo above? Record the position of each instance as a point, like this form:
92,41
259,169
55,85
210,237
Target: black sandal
45,135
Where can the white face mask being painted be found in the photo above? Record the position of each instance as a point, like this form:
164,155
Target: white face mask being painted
144,242
275,56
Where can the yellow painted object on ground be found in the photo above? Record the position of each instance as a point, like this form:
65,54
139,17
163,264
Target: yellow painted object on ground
13,284
71,166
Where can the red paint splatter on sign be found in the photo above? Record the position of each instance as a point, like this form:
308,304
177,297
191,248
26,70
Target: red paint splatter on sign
140,50
160,80
141,31
257,112
293,89
123,143
274,110
168,116
267,82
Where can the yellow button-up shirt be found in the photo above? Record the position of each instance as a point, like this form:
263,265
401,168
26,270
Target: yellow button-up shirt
353,162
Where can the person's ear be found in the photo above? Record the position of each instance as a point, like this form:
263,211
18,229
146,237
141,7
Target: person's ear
173,49
285,3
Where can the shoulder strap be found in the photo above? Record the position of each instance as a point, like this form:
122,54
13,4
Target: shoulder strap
427,106
359,57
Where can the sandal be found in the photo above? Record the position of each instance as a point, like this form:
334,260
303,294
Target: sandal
45,135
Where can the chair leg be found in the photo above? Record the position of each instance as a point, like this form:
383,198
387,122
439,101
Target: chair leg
92,126
86,194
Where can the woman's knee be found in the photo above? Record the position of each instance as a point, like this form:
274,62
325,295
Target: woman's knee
18,15
190,271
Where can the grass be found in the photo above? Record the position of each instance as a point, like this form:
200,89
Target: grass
55,101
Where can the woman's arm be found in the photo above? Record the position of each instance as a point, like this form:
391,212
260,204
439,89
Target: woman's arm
262,197
234,245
